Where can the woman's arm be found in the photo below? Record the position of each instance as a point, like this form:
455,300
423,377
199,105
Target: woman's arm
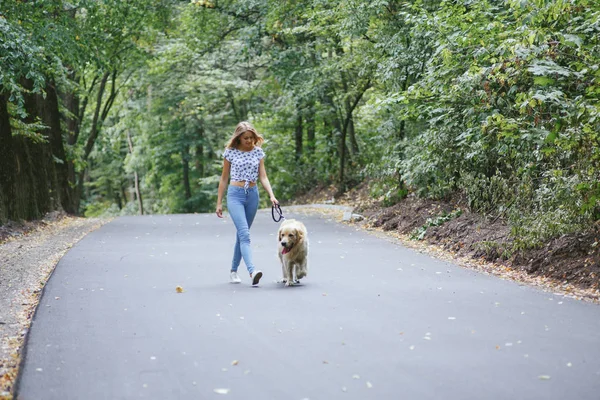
222,186
264,180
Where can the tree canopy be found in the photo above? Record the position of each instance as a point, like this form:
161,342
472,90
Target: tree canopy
114,107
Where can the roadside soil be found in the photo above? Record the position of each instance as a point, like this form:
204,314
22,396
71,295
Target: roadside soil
29,252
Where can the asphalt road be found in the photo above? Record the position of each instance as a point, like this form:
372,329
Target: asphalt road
373,320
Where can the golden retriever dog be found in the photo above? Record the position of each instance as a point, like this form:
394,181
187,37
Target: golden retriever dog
293,250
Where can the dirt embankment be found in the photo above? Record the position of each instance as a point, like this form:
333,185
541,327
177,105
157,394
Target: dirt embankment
569,264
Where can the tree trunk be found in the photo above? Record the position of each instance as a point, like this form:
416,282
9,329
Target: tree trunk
118,199
240,109
185,155
32,195
298,135
100,113
350,127
76,106
136,179
310,130
51,118
334,127
342,150
71,102
7,164
351,133
200,152
35,179
349,111
95,128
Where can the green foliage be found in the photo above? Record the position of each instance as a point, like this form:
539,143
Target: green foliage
511,105
496,101
19,58
419,233
489,196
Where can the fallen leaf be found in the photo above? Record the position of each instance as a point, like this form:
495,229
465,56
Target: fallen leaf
235,362
221,391
355,376
179,289
369,385
544,377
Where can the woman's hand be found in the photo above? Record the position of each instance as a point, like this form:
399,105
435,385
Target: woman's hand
274,200
219,211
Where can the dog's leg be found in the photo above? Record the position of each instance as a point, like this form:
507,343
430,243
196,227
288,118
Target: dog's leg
302,269
297,273
289,273
283,273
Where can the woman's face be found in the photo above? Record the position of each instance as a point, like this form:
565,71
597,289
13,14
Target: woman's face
247,140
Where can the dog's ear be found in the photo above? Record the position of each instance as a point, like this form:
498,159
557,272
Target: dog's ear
299,234
279,234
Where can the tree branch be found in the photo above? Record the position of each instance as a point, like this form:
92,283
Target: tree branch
94,132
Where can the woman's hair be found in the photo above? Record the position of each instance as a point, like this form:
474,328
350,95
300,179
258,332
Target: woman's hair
240,129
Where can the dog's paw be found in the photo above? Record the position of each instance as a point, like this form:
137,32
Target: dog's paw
289,283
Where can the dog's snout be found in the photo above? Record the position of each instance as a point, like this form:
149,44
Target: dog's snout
283,243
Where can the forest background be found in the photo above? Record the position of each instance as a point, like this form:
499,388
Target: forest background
111,107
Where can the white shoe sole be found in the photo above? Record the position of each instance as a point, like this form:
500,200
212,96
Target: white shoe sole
256,278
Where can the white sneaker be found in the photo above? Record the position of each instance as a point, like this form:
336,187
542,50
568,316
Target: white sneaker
234,277
256,277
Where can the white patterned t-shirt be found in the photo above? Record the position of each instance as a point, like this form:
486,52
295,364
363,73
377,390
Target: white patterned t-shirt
244,164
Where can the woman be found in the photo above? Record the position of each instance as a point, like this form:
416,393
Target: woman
244,163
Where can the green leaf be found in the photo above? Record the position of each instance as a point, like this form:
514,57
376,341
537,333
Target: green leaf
543,81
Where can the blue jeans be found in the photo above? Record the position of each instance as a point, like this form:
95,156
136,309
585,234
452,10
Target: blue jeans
242,205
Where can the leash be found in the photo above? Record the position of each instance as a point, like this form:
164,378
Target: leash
277,209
